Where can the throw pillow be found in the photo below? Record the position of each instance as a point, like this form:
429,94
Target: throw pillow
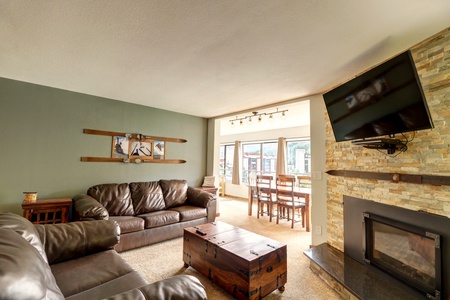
209,181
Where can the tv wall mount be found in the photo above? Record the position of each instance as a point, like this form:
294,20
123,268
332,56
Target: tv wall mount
390,144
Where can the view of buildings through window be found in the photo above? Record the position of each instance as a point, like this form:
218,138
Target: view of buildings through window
261,158
226,161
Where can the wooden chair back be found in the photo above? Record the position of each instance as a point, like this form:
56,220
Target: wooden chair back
263,184
285,188
286,200
304,181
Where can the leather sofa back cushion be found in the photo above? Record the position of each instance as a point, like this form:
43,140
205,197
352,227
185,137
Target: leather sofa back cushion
174,191
24,228
68,241
147,197
116,198
24,274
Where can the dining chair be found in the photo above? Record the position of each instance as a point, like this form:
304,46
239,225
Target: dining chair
264,195
252,186
222,186
304,181
286,201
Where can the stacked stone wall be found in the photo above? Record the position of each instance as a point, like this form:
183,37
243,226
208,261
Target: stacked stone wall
428,153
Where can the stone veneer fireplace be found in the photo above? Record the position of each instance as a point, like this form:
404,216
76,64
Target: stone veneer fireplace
427,154
409,246
379,274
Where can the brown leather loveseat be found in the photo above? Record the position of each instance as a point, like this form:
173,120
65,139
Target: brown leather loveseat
76,261
147,212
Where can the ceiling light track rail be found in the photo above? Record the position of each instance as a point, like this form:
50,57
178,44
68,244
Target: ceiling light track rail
258,116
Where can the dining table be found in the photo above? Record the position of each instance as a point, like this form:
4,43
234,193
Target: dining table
300,192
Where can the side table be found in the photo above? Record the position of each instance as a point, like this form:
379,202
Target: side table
47,211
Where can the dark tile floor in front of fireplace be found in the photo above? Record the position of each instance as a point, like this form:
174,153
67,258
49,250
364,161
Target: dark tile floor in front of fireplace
365,283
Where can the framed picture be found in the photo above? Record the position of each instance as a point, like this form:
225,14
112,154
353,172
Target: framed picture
147,149
159,150
120,147
141,148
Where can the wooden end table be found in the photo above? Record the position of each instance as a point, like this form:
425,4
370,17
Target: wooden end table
47,211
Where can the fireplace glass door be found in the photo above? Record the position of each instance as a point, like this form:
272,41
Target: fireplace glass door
410,254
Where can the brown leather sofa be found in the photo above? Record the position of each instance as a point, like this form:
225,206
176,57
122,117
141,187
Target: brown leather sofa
76,261
147,212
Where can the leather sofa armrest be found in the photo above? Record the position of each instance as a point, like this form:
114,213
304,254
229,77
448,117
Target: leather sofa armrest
212,210
178,287
199,198
87,208
203,199
66,241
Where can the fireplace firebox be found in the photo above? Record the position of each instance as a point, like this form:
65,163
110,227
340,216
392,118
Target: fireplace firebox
407,247
409,253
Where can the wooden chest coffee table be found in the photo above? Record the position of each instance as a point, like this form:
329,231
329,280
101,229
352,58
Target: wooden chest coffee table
243,263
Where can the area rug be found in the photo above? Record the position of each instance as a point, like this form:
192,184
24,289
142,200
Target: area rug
163,260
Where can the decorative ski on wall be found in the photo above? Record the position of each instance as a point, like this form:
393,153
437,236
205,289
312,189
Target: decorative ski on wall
135,148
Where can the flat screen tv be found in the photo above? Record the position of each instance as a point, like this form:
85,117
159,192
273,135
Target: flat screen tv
383,101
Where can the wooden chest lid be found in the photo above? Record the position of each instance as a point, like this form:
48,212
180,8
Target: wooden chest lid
252,247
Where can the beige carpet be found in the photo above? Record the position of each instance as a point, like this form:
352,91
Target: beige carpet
165,259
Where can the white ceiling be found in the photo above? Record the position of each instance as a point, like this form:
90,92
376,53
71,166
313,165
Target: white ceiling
207,58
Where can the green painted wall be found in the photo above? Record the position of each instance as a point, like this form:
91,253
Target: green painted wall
42,141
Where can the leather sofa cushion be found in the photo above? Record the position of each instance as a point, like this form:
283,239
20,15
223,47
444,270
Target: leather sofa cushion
147,197
160,218
188,213
24,228
174,191
116,198
129,224
24,274
112,288
84,275
176,287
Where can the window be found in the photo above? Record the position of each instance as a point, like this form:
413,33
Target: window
226,161
269,158
261,158
298,157
251,160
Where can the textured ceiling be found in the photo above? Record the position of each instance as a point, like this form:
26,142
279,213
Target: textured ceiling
207,58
